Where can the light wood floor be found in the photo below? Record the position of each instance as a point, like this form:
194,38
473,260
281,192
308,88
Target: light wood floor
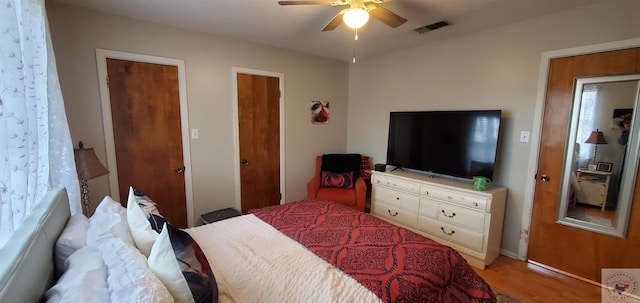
595,211
531,283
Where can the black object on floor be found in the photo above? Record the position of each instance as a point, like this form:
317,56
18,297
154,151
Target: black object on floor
218,215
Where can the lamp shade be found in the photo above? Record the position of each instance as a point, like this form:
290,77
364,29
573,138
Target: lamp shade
87,163
355,17
596,137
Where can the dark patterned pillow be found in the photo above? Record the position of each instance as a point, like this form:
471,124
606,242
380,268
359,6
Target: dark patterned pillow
176,251
339,180
147,205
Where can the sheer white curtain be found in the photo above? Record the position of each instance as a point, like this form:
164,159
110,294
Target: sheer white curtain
587,120
36,152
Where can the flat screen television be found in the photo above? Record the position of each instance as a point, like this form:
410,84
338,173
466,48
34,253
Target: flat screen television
460,144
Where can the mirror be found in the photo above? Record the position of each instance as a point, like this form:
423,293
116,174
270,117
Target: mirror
601,154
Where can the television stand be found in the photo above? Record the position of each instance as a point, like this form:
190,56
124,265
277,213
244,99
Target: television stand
398,167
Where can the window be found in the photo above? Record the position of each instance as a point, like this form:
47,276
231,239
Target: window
587,120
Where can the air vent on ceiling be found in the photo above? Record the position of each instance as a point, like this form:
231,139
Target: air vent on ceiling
431,27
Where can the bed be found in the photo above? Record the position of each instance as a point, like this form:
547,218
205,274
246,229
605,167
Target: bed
305,251
26,270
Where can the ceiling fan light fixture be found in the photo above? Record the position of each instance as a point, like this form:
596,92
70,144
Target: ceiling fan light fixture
355,17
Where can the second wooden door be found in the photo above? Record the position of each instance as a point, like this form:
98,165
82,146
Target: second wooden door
259,136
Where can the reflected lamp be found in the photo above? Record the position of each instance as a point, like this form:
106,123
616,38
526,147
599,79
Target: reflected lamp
597,138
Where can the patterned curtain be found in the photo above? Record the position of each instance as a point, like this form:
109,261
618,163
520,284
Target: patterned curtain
36,152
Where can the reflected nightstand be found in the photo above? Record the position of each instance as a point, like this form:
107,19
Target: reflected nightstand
594,186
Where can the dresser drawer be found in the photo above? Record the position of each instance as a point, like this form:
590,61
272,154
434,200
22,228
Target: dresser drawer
451,233
463,217
396,214
396,183
476,202
396,198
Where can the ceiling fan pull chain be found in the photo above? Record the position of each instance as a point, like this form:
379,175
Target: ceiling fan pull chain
355,31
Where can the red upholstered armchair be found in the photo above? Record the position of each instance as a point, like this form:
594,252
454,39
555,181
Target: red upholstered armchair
354,195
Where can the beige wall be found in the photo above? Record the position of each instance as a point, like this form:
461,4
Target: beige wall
612,96
493,69
78,32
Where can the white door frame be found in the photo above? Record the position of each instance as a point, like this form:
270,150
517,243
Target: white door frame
527,210
236,132
105,100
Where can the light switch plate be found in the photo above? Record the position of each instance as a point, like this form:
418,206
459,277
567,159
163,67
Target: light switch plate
194,133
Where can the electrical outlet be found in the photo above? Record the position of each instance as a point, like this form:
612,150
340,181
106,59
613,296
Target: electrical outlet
524,136
194,133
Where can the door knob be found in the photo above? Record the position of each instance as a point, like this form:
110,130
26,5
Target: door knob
180,169
244,162
544,178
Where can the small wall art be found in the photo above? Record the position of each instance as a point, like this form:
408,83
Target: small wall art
319,112
621,119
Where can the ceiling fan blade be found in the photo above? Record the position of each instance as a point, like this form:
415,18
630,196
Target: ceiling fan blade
319,2
334,22
386,16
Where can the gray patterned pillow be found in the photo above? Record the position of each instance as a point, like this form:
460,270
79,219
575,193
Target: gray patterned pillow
148,206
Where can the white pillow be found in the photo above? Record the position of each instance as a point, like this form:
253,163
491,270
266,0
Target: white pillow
110,218
129,278
72,238
143,235
84,280
164,264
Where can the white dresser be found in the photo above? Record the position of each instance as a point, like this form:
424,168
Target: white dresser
447,211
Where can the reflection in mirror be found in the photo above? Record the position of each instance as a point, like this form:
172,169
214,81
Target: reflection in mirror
601,155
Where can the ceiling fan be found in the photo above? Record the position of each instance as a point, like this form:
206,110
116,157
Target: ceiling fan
357,14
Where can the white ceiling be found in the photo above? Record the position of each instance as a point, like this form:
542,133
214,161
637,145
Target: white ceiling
299,27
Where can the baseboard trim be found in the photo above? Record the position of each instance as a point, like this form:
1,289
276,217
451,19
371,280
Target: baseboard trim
564,273
510,254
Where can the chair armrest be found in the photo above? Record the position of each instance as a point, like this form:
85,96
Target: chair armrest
361,194
312,187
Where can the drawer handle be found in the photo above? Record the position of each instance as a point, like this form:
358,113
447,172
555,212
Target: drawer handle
475,203
393,215
446,233
450,216
449,197
398,198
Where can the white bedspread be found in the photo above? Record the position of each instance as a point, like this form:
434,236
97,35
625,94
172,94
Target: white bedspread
254,262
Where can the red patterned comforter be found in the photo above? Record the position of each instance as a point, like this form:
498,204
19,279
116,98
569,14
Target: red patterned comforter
394,263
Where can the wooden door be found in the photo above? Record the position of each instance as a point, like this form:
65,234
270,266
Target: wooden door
259,133
145,108
569,249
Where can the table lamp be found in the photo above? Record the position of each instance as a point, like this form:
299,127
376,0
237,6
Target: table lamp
88,167
596,137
